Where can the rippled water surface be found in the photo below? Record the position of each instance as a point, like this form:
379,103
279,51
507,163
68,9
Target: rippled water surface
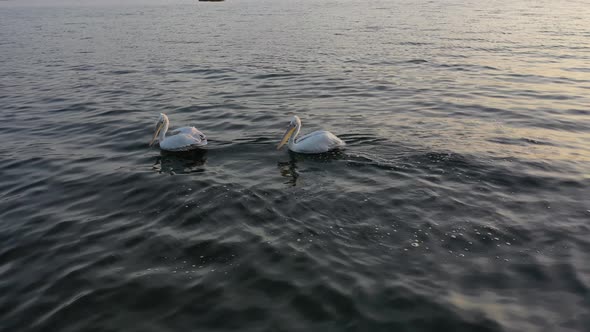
461,202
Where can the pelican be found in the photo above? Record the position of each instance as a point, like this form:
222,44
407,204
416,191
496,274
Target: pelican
181,139
317,142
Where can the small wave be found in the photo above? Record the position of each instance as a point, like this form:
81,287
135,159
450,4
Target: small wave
275,75
416,61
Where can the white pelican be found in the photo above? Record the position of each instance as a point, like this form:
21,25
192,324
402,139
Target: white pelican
181,139
316,142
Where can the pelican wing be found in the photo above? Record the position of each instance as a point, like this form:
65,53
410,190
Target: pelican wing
183,139
317,142
187,130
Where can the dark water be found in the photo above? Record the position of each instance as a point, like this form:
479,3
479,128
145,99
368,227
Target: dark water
461,203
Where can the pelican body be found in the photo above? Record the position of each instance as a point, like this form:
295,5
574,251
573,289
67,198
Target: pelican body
181,139
316,142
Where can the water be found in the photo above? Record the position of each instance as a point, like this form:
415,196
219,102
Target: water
461,202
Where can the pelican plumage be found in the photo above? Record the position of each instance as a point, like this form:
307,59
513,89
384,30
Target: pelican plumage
316,142
181,139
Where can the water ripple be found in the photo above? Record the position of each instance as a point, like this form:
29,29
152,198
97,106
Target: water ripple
460,201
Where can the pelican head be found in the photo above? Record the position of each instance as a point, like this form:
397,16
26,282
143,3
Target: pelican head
292,127
161,121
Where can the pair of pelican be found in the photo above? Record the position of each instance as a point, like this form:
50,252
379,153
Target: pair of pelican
189,138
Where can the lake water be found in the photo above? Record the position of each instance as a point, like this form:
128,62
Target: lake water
461,202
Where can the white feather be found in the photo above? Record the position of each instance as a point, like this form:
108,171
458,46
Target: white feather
181,139
316,142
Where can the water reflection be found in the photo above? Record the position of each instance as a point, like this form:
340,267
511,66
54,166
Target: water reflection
289,169
181,162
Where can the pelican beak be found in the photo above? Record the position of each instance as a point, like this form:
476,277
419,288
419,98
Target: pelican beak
158,128
286,137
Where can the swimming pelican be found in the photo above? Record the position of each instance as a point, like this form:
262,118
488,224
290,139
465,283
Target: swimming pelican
316,142
181,139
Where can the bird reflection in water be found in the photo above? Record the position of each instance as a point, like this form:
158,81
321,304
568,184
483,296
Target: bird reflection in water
289,168
181,162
